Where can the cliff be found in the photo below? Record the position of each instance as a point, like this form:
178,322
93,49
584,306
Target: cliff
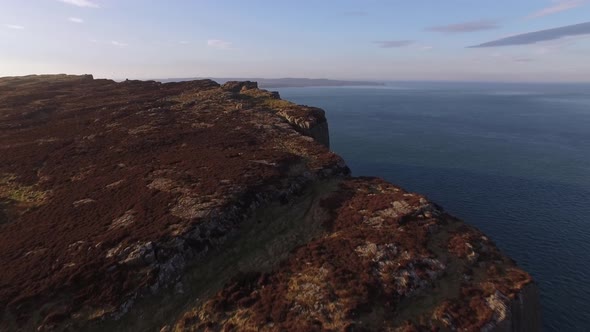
142,206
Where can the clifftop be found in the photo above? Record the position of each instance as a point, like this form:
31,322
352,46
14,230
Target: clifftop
198,206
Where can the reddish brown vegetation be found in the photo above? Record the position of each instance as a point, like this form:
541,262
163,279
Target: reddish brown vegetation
382,251
124,163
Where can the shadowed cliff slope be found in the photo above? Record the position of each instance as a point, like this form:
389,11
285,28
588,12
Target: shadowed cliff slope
194,206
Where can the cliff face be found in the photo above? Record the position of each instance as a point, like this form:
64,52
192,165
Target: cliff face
194,206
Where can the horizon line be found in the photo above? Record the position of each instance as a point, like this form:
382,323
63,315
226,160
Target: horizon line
372,80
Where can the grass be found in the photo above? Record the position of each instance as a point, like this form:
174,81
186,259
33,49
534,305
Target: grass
277,103
264,98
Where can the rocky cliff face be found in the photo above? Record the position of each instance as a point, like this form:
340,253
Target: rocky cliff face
194,206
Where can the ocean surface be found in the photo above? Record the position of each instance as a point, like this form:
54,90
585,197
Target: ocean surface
510,159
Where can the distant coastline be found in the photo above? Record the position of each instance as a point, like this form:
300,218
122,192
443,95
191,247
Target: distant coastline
272,83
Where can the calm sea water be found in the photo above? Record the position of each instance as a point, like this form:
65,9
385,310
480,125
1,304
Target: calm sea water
511,159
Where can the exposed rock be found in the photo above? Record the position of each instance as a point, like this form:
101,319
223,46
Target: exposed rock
194,206
84,202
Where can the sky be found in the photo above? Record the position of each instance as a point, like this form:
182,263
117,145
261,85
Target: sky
455,40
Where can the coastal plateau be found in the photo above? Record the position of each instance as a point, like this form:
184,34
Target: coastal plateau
194,206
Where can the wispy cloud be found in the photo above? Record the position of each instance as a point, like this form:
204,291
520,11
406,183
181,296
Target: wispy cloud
559,6
115,43
75,20
466,27
219,44
81,3
14,26
184,42
118,43
523,60
394,43
540,36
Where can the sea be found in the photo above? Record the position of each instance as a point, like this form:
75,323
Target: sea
511,159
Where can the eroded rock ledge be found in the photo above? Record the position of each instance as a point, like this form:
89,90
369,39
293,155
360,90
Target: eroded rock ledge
194,206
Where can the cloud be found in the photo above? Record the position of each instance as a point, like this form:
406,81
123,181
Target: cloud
14,26
466,27
119,44
394,43
184,42
539,36
523,60
219,44
81,3
75,20
559,6
115,43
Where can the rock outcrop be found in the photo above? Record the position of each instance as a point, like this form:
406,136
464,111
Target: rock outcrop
191,206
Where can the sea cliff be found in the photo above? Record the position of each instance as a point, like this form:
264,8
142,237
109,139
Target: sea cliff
193,206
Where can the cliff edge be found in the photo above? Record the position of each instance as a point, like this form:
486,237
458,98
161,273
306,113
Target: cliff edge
194,206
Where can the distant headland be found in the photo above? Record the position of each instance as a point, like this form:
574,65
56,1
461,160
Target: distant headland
273,83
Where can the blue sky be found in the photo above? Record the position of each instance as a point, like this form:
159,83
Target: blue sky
519,40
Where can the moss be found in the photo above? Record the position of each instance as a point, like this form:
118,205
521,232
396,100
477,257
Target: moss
21,194
277,103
